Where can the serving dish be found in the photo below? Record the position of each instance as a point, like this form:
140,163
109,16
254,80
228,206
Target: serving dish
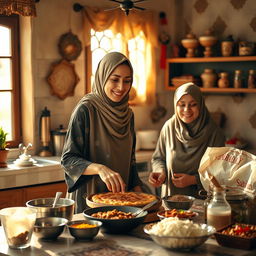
183,202
116,225
180,242
93,204
227,237
84,233
181,214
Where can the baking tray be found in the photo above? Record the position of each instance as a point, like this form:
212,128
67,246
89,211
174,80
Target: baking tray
92,204
235,241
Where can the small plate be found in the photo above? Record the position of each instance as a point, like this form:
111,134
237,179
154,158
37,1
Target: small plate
181,214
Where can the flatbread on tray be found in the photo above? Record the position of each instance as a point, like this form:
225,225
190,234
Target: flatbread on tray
136,199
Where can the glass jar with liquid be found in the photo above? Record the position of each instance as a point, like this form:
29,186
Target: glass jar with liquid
219,210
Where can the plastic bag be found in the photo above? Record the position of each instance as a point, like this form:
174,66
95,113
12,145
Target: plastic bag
233,168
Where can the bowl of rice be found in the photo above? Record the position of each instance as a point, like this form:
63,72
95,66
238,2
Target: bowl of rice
177,234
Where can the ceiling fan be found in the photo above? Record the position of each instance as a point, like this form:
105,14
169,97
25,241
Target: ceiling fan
127,5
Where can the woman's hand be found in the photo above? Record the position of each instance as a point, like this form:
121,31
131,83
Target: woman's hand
182,180
112,179
156,179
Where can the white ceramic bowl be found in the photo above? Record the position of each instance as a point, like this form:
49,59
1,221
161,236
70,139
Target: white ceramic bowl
181,243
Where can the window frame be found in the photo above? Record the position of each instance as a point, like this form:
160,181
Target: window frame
12,22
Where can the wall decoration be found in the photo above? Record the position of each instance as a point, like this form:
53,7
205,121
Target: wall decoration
201,5
63,79
238,4
253,24
70,46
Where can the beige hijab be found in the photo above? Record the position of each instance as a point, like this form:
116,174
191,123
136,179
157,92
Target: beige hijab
110,123
183,145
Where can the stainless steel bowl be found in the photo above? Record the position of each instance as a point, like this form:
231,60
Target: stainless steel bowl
64,208
84,233
185,203
49,227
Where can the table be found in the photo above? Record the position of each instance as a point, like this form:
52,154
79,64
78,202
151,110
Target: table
135,244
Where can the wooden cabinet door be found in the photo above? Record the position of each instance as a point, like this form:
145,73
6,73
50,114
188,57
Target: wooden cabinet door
11,198
44,191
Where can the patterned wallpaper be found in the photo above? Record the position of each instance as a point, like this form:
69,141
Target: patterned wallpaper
225,17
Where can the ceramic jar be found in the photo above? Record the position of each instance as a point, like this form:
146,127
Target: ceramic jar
190,43
209,78
251,79
238,82
223,81
227,46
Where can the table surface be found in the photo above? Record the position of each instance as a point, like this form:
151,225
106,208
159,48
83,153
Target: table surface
137,243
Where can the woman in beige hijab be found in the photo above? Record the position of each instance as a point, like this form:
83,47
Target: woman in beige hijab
99,151
182,143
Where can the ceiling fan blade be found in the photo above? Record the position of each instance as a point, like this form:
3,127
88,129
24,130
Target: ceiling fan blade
140,8
110,9
116,1
139,1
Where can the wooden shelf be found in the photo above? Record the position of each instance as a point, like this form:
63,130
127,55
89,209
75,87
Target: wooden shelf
178,66
220,90
211,59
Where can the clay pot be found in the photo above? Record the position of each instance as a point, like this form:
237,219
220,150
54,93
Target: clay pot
190,43
209,78
227,48
223,82
3,157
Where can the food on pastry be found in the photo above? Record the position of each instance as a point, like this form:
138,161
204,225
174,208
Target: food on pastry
126,198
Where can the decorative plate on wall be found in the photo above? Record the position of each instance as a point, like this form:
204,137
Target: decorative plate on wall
63,79
70,46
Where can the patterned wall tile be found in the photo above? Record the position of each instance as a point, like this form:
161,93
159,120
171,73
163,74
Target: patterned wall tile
219,26
201,5
253,24
238,4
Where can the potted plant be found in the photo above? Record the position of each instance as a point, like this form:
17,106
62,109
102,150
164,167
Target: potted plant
3,148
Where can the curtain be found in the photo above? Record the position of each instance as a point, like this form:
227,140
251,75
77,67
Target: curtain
21,7
129,26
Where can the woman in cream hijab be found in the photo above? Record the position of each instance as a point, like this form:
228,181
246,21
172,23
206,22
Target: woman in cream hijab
99,151
182,143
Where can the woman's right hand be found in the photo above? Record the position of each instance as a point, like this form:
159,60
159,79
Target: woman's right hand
113,180
156,179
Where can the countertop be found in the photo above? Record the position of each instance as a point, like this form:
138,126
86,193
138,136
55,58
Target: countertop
45,170
135,244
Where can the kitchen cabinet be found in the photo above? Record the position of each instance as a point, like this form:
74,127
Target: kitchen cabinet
19,196
195,66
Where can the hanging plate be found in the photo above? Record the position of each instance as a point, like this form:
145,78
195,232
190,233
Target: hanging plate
63,79
70,46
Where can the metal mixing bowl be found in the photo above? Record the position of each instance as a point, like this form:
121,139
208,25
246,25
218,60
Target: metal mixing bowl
49,227
184,204
64,208
84,233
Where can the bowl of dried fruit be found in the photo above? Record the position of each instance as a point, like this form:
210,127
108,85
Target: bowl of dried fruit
240,236
181,214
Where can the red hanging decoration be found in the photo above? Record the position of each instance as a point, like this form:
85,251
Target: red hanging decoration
164,39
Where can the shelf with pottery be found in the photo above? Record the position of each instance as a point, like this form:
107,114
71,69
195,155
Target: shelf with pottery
196,65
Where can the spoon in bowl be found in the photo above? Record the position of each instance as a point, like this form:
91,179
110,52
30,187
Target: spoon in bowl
56,199
135,214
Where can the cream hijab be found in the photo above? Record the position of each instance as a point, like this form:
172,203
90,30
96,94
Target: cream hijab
185,144
111,138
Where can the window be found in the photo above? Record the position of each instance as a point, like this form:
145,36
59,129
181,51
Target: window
105,41
9,78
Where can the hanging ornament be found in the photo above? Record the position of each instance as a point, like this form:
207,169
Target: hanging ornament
70,46
164,39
